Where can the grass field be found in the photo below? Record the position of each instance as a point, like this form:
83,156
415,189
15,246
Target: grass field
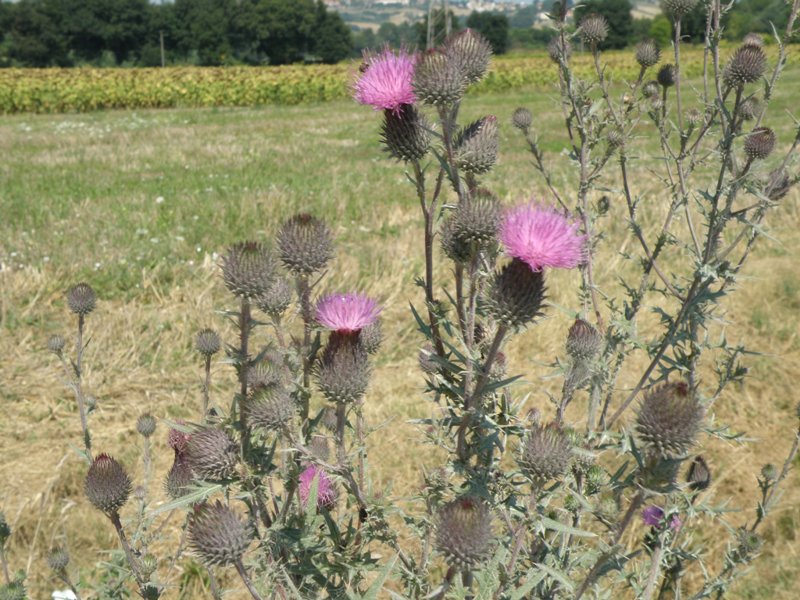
139,204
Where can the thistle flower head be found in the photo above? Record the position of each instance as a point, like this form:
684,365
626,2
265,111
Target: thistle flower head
405,133
464,531
476,146
650,90
647,53
471,52
584,342
545,454
371,337
669,419
522,118
750,108
217,535
753,39
58,558
653,516
177,440
211,453
678,8
593,29
81,299
55,344
542,237
760,143
347,313
386,81
146,425
472,227
277,298
559,52
667,75
207,342
179,478
326,489
343,372
515,294
746,65
438,79
304,244
268,406
107,484
248,269
699,475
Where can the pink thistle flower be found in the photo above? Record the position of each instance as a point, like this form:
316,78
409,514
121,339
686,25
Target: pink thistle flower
347,313
654,517
542,237
386,84
326,491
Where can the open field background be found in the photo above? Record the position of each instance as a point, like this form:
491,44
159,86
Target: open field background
140,203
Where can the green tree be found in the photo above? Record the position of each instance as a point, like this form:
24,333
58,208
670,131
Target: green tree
618,14
331,37
34,38
204,30
439,27
661,30
494,27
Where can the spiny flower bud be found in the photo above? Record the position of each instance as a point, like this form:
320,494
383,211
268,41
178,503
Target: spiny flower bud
58,559
268,371
454,246
515,295
471,52
476,146
146,425
615,138
746,65
693,117
438,80
593,29
699,476
777,185
305,244
750,108
596,478
678,8
343,372
207,342
650,89
559,52
217,535
14,590
149,564
667,75
81,299
55,344
107,484
669,419
522,118
769,472
464,531
371,337
647,53
760,143
545,454
179,478
248,269
749,544
269,407
405,133
276,299
584,342
211,453
477,221
753,39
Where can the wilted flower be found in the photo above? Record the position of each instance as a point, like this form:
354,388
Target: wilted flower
347,313
326,489
542,237
217,535
386,82
177,439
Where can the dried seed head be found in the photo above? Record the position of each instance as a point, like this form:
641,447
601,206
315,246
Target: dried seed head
269,407
777,184
760,143
545,453
55,344
746,65
207,342
58,559
464,531
750,108
146,425
678,8
211,454
476,146
669,419
593,29
584,342
515,295
107,484
648,53
81,299
371,337
248,269
276,299
559,52
522,118
179,478
698,476
753,39
439,80
471,52
343,372
405,133
666,75
650,90
305,244
217,535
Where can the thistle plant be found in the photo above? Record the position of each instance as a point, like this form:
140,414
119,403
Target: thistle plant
596,493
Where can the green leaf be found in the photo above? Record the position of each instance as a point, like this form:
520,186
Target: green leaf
533,578
558,576
377,585
561,528
198,493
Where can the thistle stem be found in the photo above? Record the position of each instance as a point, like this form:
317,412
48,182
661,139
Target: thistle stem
5,565
206,388
246,579
123,540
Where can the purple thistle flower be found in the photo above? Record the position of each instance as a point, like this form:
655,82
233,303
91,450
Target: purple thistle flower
347,313
326,492
542,237
386,84
654,517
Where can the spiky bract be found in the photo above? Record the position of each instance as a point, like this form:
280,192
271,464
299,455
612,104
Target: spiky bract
515,295
107,484
593,29
304,244
760,143
58,559
179,478
81,299
545,454
464,531
522,118
476,146
277,298
211,453
217,535
405,133
439,80
146,425
584,342
559,52
207,342
669,419
268,406
471,52
678,8
746,65
248,269
55,344
648,53
667,75
343,372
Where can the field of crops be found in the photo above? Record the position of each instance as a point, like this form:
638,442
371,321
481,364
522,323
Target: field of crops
88,89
